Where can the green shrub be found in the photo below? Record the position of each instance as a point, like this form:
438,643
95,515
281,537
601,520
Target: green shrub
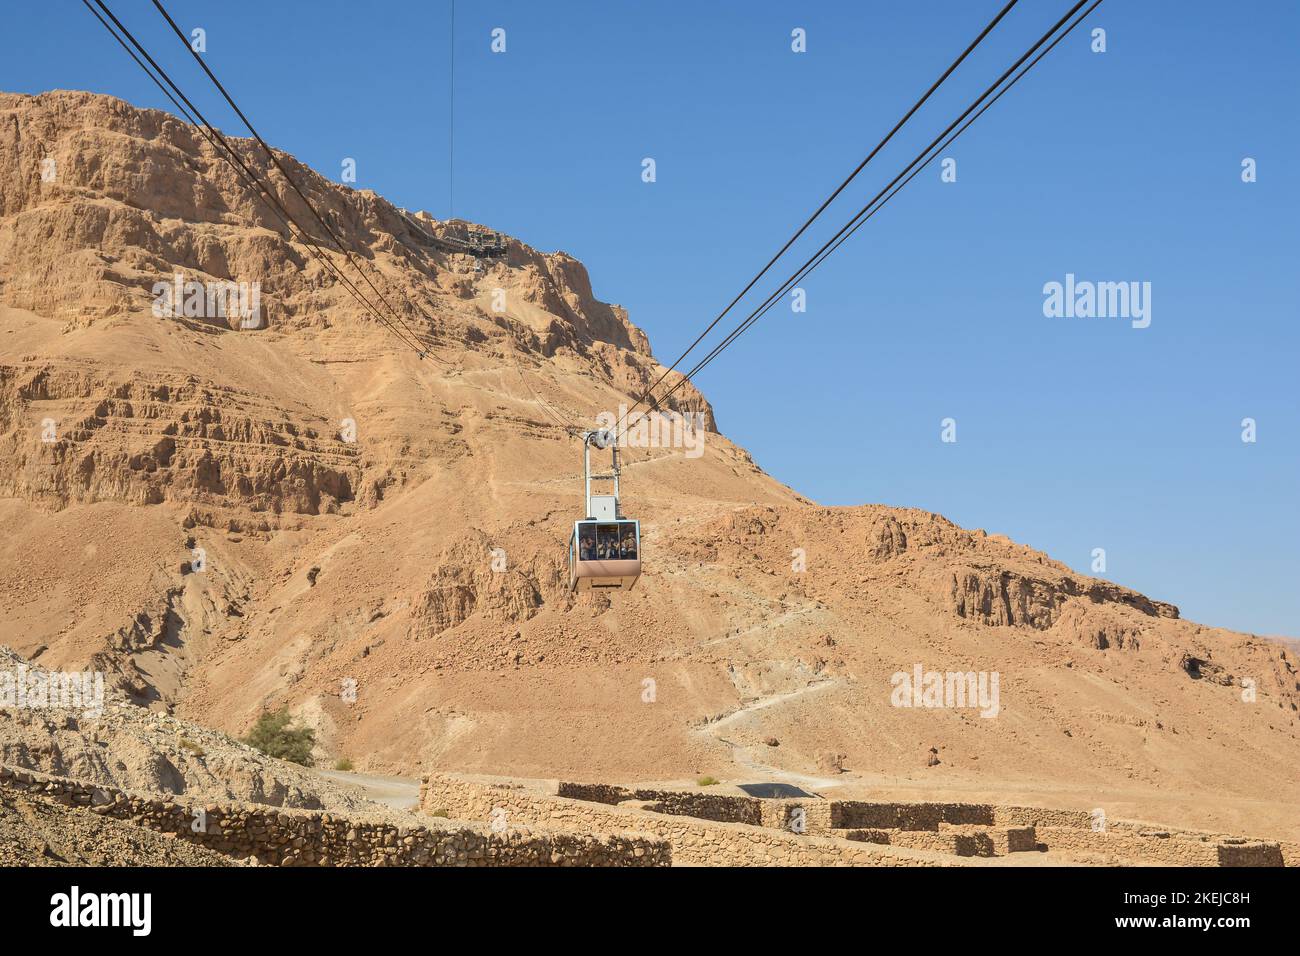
705,782
440,813
343,763
274,737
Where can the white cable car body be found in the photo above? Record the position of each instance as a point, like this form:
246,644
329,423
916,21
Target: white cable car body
605,548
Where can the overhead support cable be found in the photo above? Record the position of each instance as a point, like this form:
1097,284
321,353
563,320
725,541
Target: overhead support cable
908,173
223,149
185,41
988,28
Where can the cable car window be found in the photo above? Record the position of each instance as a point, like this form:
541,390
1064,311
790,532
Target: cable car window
629,542
607,547
586,542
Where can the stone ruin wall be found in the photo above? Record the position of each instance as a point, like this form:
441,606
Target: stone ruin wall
286,837
545,829
695,842
703,831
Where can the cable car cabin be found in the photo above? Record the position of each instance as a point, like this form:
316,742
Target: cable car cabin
605,554
605,550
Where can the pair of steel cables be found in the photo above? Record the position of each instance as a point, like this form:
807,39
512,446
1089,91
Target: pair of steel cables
1040,48
393,320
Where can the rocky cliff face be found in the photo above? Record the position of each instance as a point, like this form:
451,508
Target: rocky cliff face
226,517
105,200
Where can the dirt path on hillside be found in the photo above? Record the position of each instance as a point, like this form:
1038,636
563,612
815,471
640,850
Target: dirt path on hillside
400,793
744,755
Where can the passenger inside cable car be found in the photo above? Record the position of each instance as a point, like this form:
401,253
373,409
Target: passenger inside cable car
587,541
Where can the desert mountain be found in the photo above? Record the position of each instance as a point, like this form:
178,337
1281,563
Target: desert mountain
226,519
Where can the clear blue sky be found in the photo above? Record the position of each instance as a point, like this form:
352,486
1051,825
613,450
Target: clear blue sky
1072,434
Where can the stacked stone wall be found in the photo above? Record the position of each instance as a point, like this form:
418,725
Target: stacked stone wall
284,837
695,842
